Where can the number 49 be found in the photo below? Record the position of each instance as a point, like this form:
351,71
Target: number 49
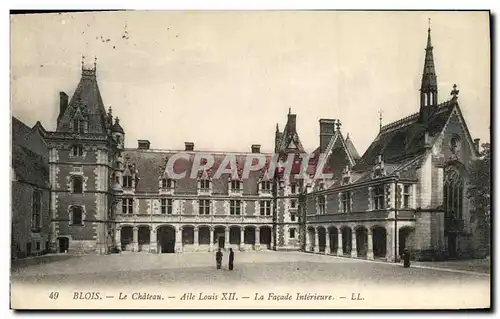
54,295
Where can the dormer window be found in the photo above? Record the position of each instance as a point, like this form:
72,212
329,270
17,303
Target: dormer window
266,185
127,181
346,176
78,126
293,188
235,185
378,169
205,184
77,150
167,183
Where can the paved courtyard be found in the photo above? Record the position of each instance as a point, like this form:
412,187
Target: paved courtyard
250,267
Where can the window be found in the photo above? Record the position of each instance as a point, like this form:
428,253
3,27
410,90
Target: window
406,196
378,197
292,217
166,183
265,208
77,182
235,185
77,150
293,203
36,205
76,215
266,185
204,184
345,199
292,232
453,193
235,207
166,206
128,206
204,207
127,181
78,126
321,204
293,188
37,245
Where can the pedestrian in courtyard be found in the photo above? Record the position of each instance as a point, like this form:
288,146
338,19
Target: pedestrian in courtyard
218,258
406,258
231,259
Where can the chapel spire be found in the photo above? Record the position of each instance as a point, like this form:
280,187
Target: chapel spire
428,88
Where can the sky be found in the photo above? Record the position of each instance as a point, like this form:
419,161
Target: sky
224,79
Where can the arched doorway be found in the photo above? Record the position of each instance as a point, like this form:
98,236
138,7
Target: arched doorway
166,239
204,237
334,239
63,243
187,235
265,237
234,235
220,237
404,240
321,239
311,240
346,240
249,235
143,238
362,241
126,238
379,237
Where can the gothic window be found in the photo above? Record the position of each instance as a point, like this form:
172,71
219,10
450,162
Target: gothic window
378,197
321,204
235,208
455,144
76,215
36,209
128,206
453,193
265,208
77,150
204,206
77,184
345,199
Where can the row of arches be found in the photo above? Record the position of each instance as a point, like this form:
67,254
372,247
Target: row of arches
359,242
169,239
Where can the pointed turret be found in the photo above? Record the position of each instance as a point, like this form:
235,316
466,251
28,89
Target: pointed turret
428,88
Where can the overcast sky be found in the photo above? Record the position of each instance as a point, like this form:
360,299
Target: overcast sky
224,79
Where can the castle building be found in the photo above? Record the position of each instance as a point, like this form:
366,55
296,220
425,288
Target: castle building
406,191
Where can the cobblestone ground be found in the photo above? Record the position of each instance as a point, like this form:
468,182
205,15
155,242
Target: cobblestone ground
192,269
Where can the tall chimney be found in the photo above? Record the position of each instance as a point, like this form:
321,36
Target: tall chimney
326,132
189,146
292,122
255,148
143,144
476,144
63,104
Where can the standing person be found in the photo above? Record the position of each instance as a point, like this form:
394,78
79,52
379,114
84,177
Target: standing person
218,258
406,258
231,258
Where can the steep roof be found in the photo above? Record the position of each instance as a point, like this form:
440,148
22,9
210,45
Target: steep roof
27,137
351,148
86,99
289,139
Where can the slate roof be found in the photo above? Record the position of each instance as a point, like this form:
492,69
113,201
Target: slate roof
351,149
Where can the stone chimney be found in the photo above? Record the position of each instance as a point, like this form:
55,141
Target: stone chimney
143,144
326,132
63,103
188,146
255,148
476,144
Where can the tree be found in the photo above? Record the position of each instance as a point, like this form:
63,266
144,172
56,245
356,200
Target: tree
479,192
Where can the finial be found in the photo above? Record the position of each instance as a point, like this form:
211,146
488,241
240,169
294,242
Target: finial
429,30
454,92
380,118
83,60
347,137
338,124
95,63
110,110
277,128
289,110
117,120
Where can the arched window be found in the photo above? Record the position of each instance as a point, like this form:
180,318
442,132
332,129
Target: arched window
453,192
77,182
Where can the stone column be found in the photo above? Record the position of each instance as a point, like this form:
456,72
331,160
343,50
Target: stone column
153,242
389,255
242,239
369,252
354,250
340,250
308,241
135,239
118,238
316,240
327,243
178,239
226,239
257,238
196,235
211,238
